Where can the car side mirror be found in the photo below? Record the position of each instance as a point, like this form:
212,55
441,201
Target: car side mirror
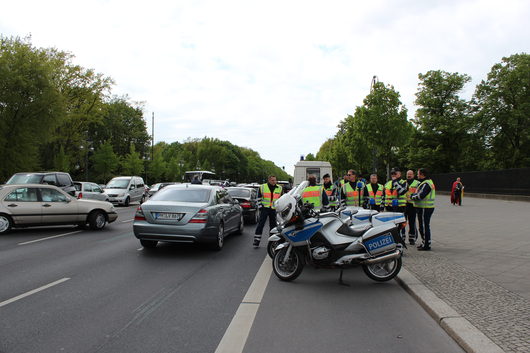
132,187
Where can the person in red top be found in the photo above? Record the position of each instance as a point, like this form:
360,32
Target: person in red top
456,192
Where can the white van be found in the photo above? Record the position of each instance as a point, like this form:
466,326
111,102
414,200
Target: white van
303,169
125,189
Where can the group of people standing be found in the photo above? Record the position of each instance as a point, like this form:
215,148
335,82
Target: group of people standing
412,196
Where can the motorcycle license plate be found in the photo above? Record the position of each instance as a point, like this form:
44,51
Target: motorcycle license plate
168,216
380,243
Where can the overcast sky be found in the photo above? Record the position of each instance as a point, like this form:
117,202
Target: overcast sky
275,76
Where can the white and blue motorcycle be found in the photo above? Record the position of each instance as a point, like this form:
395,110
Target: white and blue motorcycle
325,240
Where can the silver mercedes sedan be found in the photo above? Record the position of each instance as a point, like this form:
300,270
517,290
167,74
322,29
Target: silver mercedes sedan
188,213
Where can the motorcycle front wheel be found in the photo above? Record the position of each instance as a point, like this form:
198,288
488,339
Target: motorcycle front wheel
271,245
383,271
287,269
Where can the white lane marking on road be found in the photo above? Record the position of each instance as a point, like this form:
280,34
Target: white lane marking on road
54,236
127,220
18,297
236,334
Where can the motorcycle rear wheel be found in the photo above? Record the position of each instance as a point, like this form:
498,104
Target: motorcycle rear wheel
383,271
289,270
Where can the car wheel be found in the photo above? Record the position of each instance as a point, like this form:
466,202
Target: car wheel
5,223
220,238
241,227
148,244
97,220
127,201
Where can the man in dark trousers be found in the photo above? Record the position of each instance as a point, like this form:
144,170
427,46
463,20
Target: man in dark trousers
268,192
424,202
410,211
373,194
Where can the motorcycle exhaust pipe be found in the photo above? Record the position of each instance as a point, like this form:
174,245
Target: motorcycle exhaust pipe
383,258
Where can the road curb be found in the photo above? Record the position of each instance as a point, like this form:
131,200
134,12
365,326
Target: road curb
471,339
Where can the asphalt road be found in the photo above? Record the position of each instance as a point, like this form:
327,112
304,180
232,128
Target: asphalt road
65,290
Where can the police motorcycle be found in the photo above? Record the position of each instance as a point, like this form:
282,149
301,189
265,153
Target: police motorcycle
324,240
357,218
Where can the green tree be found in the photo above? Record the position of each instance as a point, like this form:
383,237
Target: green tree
310,157
105,161
502,105
123,124
132,163
444,122
30,103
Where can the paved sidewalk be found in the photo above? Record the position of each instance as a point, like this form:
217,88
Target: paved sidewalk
480,266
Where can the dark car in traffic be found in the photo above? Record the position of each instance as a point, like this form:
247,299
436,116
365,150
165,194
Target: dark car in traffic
188,213
248,200
59,179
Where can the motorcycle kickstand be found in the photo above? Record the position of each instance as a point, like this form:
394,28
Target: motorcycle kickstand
341,282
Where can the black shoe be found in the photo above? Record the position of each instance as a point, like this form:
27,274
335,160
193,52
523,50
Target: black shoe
424,248
256,243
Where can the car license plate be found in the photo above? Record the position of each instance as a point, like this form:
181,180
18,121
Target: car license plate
379,243
168,216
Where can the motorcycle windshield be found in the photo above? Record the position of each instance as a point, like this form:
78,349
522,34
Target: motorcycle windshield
297,191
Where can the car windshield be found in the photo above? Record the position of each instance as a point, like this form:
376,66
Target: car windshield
182,195
239,192
25,179
118,184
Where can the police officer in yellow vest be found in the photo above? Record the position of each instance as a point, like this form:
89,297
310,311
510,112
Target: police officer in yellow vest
314,194
352,192
410,211
373,194
268,192
395,192
423,200
331,191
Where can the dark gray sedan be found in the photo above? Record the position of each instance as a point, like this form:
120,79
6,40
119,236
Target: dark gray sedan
188,213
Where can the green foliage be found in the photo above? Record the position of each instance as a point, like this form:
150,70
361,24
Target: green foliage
444,123
132,163
502,105
105,162
449,133
310,157
30,103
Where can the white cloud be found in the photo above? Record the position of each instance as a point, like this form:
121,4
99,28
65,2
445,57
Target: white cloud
276,76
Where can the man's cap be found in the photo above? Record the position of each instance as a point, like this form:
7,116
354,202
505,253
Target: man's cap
394,170
326,176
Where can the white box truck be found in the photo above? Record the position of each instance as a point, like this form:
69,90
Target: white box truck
303,169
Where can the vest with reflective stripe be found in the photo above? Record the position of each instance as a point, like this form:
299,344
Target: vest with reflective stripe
428,201
330,192
268,197
412,189
393,194
378,195
312,194
352,195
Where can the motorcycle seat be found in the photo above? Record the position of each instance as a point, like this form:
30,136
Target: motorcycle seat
357,232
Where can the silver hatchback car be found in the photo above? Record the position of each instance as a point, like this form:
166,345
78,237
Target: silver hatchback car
188,213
